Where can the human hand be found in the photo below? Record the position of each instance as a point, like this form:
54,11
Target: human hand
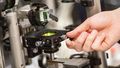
98,32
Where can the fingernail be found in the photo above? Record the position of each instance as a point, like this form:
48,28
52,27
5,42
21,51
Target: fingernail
94,32
96,44
98,40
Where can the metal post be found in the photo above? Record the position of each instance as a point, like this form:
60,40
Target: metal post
2,62
94,9
91,11
101,55
15,42
51,5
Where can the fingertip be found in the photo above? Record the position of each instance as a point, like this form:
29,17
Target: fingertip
98,43
88,50
68,34
78,50
69,44
95,47
72,34
95,31
77,31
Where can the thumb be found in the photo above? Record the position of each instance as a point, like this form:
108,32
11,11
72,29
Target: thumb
76,32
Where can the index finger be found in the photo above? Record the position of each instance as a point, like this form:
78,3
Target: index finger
76,32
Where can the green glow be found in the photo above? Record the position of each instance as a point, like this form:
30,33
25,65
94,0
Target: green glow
49,34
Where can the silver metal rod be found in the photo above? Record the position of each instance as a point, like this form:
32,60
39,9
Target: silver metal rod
51,56
103,58
91,11
2,61
94,9
15,42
